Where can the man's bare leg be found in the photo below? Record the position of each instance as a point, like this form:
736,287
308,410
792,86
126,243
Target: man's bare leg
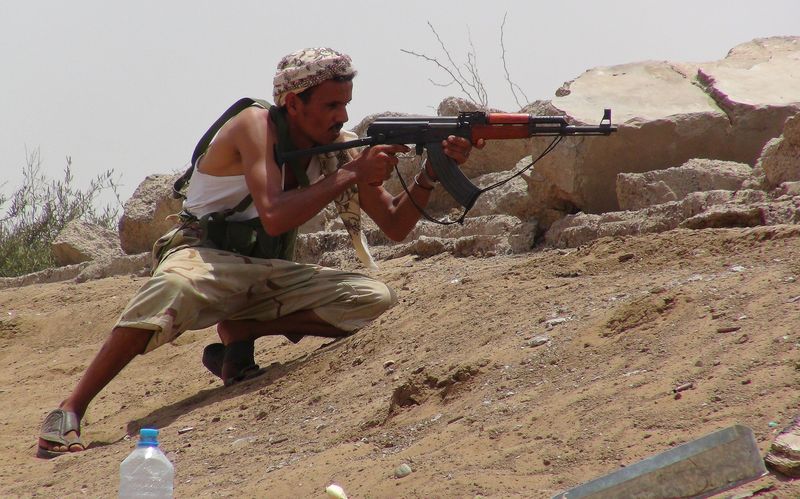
119,349
242,334
303,322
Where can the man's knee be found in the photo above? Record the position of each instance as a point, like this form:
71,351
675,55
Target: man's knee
133,341
384,297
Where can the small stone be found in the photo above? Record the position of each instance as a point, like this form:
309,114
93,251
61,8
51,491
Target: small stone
402,471
240,442
538,341
626,257
728,329
185,430
742,339
388,364
555,322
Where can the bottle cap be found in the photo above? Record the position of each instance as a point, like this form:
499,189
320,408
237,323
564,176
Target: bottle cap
148,437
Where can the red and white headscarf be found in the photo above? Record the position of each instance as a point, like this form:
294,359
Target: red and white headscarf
306,68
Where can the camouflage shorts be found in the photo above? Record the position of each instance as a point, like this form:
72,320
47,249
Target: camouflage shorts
196,287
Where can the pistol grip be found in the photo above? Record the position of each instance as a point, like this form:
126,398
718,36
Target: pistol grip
452,178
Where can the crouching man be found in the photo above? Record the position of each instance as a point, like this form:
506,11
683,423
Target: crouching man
229,262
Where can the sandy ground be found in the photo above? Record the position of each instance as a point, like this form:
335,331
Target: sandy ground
449,381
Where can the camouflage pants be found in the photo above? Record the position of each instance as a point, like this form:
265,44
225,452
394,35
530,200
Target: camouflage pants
196,287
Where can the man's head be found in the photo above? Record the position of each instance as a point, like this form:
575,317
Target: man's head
301,71
314,86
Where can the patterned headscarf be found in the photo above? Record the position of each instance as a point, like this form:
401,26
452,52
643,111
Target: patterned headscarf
307,68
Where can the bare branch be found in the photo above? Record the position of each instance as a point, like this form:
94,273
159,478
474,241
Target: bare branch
444,68
511,84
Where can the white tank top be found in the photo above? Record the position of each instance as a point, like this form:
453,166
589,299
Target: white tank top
210,193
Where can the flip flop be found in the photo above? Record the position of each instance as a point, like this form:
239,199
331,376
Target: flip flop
54,430
237,358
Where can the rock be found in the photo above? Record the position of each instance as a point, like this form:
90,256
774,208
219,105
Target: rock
144,217
784,453
780,159
698,210
138,265
511,198
479,236
724,110
81,241
791,189
324,220
640,190
402,471
726,216
538,341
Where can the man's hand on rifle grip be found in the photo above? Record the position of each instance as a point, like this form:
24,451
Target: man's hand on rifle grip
374,164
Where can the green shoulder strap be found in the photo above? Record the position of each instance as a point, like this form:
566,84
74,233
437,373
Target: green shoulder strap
207,137
285,144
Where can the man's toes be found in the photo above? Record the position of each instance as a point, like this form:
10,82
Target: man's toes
51,446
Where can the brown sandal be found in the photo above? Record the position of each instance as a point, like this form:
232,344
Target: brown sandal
54,430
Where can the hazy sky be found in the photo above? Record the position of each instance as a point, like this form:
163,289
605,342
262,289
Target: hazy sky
132,86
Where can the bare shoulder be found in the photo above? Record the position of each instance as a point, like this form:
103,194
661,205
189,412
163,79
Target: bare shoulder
245,135
251,124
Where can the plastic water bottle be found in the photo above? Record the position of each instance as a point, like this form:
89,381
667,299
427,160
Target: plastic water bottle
146,472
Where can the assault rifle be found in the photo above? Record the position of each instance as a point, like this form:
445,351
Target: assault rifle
429,132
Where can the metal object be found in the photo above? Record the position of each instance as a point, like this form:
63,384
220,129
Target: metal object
701,468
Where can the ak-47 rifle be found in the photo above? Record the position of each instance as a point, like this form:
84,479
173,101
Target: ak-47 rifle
427,133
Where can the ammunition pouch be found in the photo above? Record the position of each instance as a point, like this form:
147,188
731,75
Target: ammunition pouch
246,238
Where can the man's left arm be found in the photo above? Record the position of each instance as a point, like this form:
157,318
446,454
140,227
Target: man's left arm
396,215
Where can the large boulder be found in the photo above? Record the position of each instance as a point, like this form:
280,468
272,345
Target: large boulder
669,113
640,190
145,214
780,159
81,241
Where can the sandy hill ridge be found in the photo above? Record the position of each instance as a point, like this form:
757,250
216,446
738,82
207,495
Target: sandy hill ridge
449,381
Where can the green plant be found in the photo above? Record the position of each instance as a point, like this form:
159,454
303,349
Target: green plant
39,209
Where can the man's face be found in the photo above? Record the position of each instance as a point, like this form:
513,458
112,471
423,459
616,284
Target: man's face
322,117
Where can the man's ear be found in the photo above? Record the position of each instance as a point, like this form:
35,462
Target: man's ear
292,102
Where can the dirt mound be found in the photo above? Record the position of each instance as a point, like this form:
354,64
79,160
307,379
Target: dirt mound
510,376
